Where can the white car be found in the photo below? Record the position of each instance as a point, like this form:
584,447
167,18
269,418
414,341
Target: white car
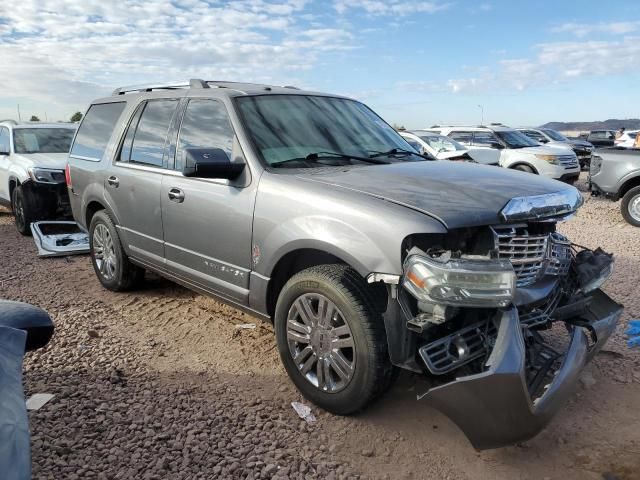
517,151
627,139
33,157
445,148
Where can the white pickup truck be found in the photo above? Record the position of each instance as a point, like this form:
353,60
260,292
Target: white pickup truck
33,157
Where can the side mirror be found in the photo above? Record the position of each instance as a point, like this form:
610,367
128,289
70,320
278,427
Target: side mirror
33,320
210,163
543,140
497,145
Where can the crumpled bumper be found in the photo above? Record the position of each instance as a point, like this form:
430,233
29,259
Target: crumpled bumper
494,408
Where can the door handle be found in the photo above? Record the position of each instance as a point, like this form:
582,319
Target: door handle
113,181
176,195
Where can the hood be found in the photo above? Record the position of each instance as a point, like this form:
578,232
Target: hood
451,154
56,161
580,143
456,194
557,149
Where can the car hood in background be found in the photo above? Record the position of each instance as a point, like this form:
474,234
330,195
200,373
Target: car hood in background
451,154
56,161
456,194
581,143
555,149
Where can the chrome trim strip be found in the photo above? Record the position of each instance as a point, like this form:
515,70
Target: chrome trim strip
542,206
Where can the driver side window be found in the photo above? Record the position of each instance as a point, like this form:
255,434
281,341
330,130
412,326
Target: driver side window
4,140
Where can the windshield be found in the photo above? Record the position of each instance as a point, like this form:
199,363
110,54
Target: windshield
288,127
440,143
42,140
557,136
516,139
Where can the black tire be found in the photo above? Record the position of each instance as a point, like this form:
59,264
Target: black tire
524,168
25,210
630,206
372,371
125,275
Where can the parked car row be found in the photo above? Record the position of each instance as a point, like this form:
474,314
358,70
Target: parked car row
309,211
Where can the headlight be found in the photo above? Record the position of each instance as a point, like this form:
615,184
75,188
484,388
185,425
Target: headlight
460,282
548,158
43,175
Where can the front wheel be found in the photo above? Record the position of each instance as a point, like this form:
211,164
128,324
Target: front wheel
24,209
110,262
630,206
331,339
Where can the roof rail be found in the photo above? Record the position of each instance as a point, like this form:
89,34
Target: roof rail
193,83
9,120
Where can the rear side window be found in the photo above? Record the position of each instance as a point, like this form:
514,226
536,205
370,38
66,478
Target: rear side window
95,130
484,138
151,132
205,125
4,140
462,137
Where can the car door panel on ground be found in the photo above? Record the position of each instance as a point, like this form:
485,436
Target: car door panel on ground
218,258
134,184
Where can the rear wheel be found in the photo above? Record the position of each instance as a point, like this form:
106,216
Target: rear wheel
524,168
331,339
630,206
24,209
110,262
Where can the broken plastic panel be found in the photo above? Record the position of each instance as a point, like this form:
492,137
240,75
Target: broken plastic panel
60,238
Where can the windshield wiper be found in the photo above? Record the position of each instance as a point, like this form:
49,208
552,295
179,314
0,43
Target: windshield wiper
399,151
315,157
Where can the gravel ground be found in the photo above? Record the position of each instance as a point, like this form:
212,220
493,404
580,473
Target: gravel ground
160,383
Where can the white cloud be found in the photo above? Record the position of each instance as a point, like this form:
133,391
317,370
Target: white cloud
555,63
389,7
65,52
611,28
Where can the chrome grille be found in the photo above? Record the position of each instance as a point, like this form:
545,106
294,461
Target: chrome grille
526,252
560,255
568,161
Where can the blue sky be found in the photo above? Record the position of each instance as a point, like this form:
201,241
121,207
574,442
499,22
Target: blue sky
415,62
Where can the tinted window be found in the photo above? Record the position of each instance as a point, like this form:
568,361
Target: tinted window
96,129
125,152
533,135
42,140
288,128
205,125
484,138
4,139
151,134
463,137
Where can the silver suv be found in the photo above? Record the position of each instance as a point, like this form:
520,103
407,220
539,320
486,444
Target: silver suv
308,210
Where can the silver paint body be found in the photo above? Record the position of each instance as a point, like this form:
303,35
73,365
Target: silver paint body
227,237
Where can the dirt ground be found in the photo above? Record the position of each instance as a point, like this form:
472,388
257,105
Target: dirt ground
160,383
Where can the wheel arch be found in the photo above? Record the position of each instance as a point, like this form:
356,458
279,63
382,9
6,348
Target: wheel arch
299,259
628,185
525,164
91,209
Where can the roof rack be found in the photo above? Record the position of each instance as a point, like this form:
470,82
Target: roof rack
193,83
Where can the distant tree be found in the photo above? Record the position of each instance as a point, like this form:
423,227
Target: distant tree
34,119
76,117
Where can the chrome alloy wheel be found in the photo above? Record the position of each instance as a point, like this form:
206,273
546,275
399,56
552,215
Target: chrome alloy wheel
634,208
320,342
103,252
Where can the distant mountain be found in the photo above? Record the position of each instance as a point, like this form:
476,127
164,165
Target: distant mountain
611,124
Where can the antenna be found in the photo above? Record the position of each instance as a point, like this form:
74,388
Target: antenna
19,117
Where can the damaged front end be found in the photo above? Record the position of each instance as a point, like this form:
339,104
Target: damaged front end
502,319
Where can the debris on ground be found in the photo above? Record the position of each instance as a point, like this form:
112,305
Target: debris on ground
304,412
38,400
246,326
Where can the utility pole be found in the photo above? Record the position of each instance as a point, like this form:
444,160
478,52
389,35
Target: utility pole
19,117
481,114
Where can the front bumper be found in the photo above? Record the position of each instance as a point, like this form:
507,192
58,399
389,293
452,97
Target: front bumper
494,408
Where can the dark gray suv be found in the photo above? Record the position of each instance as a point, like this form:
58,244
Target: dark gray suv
308,210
